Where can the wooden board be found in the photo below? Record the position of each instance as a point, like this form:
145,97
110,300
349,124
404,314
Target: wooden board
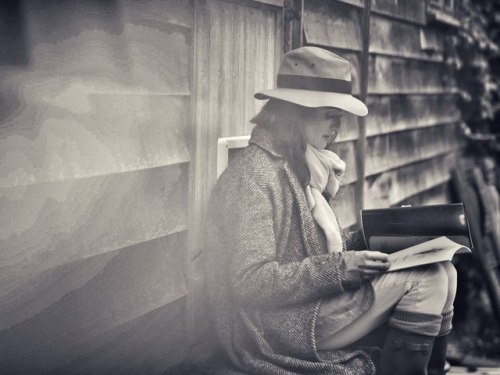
332,24
397,38
112,306
337,25
159,12
408,10
389,188
89,47
344,205
389,75
154,343
404,112
94,141
115,133
437,195
237,49
56,223
397,149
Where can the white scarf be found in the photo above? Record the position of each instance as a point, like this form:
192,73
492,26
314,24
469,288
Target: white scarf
325,168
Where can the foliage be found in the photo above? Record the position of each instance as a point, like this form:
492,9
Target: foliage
477,59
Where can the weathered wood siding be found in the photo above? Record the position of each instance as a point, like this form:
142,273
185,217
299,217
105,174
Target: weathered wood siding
413,119
94,168
238,45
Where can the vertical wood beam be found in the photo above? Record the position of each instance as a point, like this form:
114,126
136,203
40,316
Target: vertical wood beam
361,142
203,143
293,27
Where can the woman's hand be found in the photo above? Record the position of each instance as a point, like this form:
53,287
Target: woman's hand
359,265
372,262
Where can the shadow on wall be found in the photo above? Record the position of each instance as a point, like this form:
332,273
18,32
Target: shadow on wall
13,44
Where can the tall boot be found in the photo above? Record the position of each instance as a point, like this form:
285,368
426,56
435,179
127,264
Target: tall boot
437,361
405,353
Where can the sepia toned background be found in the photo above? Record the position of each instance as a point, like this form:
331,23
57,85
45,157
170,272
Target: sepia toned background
110,112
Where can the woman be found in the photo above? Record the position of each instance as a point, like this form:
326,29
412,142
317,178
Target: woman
287,293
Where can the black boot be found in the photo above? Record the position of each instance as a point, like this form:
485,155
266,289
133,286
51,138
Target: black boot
438,356
405,353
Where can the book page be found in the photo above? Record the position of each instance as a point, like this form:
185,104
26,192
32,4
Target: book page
433,251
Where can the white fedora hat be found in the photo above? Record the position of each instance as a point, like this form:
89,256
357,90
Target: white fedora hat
314,77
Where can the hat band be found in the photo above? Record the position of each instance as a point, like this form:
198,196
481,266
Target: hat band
287,81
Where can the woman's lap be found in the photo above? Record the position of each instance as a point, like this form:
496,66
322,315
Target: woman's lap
420,291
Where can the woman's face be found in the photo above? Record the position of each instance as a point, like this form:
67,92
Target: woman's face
320,126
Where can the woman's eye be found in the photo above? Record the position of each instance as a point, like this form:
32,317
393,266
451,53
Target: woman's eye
333,116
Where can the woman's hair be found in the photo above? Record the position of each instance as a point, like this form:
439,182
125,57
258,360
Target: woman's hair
281,119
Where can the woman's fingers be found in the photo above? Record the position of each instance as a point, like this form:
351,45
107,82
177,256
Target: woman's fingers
375,265
374,260
377,255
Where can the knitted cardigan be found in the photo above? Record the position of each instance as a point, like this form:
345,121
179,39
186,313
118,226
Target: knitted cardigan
267,271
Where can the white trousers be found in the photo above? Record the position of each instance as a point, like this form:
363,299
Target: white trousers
418,300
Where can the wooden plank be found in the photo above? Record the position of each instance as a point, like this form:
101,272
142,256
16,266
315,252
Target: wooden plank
403,76
408,10
157,13
55,223
349,128
155,343
236,48
389,188
361,143
217,114
332,24
203,136
133,284
116,133
397,149
142,263
356,3
159,59
404,112
396,38
437,195
344,205
277,3
89,47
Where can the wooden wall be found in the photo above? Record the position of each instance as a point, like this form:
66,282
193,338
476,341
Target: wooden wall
412,125
109,119
95,122
238,46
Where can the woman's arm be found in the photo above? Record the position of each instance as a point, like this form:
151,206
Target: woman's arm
256,276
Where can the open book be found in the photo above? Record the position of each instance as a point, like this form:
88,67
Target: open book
415,236
433,251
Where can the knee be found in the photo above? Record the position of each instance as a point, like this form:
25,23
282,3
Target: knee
451,273
436,279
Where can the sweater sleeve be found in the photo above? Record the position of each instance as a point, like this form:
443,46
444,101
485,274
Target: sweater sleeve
355,240
257,278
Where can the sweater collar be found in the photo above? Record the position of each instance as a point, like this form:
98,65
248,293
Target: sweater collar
262,138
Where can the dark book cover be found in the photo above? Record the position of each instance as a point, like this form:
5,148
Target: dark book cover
392,229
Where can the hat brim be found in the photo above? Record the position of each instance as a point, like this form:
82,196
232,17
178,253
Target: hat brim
316,99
